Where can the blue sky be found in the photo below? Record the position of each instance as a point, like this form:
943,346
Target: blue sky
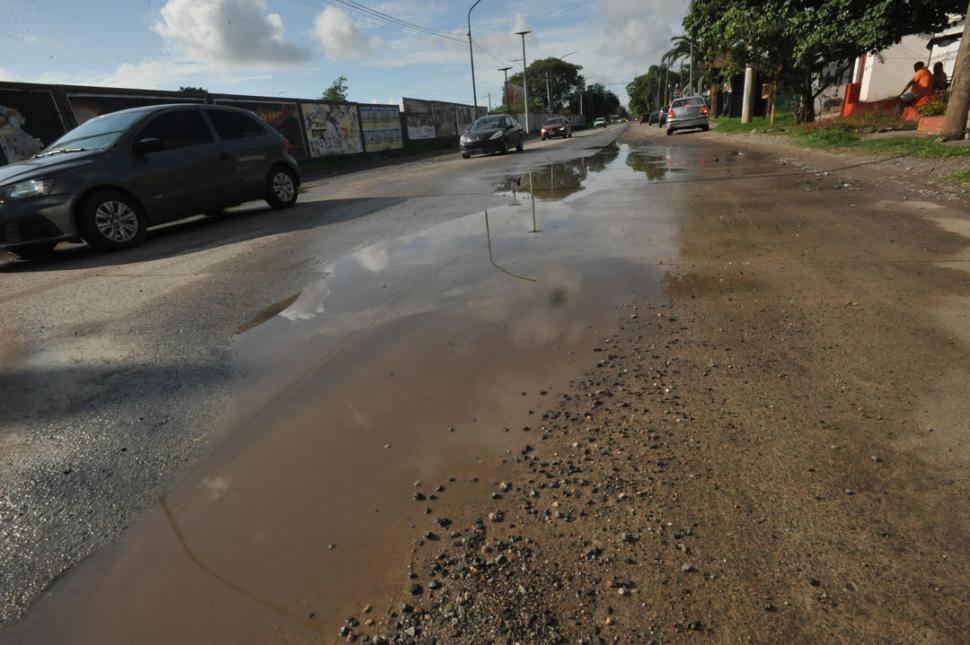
295,48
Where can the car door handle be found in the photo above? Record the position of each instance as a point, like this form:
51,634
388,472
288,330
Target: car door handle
223,156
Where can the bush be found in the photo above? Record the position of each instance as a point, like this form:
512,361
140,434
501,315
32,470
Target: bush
936,106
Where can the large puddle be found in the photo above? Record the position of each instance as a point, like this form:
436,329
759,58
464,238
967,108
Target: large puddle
419,358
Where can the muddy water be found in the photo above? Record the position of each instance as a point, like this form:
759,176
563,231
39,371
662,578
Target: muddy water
423,358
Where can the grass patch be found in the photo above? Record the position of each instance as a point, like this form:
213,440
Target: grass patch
961,178
852,133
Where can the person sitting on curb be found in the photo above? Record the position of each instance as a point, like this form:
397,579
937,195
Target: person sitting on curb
918,90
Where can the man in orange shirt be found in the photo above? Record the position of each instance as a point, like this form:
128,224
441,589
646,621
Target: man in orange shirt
919,88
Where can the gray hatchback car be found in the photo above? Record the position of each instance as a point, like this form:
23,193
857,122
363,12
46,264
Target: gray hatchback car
114,176
688,113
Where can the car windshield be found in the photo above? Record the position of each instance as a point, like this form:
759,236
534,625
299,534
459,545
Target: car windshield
488,123
559,121
96,134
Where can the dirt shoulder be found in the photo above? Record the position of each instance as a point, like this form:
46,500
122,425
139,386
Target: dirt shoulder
777,452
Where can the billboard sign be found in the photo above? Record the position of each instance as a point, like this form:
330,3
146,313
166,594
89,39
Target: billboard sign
444,120
282,117
29,122
331,129
87,106
382,127
420,119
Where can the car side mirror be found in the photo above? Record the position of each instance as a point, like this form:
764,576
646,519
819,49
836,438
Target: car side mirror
145,146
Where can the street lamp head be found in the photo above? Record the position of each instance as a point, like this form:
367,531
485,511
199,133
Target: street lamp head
523,33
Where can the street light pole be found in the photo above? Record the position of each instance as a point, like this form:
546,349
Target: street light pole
471,55
505,88
525,79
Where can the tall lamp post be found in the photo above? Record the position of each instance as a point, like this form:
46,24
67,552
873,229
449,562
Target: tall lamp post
471,55
505,88
525,79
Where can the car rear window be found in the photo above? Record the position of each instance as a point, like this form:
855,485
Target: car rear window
234,125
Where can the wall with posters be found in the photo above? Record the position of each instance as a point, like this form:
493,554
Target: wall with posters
419,116
381,125
282,116
331,129
33,115
29,121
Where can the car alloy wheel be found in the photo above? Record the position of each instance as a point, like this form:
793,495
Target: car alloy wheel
116,221
283,187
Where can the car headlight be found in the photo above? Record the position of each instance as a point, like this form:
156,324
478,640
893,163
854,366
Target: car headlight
497,135
30,188
465,139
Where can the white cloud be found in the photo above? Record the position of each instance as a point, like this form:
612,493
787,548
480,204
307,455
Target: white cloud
227,33
6,76
341,39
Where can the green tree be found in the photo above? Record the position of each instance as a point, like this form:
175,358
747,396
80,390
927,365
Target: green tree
195,91
337,92
564,82
599,101
793,41
648,92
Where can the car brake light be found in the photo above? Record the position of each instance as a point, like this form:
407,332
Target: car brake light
704,109
671,115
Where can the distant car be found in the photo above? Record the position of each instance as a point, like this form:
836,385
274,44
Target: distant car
492,133
644,118
653,117
557,126
688,113
111,178
599,122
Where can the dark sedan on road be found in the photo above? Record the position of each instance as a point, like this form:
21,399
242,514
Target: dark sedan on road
557,126
492,133
109,179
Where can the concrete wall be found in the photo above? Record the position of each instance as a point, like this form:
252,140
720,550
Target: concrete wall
885,74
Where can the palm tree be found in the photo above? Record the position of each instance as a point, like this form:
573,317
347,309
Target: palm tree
684,47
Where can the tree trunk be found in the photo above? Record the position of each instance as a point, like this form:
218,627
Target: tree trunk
955,122
806,105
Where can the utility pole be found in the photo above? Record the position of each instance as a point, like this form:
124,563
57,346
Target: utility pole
748,94
955,121
505,88
525,79
489,101
548,95
471,55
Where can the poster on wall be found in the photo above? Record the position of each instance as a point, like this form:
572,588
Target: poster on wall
444,120
382,127
420,119
29,122
87,106
466,114
331,129
282,117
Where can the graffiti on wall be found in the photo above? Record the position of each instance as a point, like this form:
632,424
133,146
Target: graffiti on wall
420,119
444,120
29,122
282,117
382,127
87,106
331,129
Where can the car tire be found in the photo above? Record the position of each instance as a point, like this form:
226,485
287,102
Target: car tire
521,146
505,147
669,132
110,220
35,251
706,128
465,155
281,188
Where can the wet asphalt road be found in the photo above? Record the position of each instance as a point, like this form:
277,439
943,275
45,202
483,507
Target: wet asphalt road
119,371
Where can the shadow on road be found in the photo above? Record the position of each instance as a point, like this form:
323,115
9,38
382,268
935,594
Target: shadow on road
243,223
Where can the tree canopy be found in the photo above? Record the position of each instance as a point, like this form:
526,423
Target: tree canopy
565,82
793,41
649,92
337,92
